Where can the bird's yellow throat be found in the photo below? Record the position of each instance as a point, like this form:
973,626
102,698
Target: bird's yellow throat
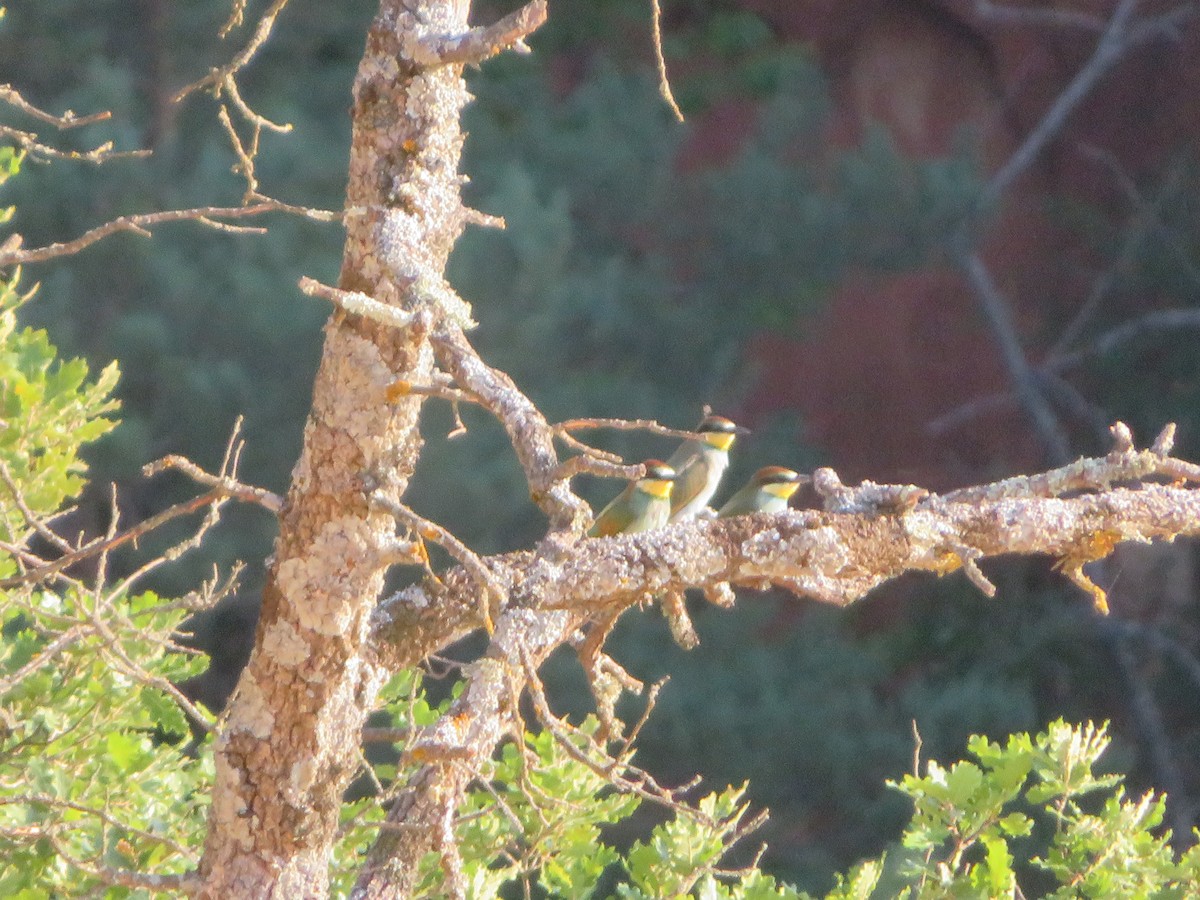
720,439
783,491
656,488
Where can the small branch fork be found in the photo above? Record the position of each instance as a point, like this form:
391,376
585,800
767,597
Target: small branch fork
492,594
479,44
223,486
30,142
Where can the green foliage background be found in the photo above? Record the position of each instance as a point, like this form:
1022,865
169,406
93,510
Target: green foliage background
622,286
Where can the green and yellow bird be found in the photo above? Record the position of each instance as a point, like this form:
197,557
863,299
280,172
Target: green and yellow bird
644,504
699,463
767,491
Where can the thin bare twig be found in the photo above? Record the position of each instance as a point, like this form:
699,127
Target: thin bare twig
1115,41
103,815
47,654
29,142
531,435
257,119
664,83
229,486
1163,320
68,119
217,77
224,487
649,425
126,878
98,547
1144,219
996,308
34,522
142,222
613,769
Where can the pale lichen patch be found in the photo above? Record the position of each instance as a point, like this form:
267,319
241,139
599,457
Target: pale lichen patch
300,779
285,644
229,809
250,711
317,585
360,379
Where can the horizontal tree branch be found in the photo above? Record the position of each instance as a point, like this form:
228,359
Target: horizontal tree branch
68,119
142,222
831,557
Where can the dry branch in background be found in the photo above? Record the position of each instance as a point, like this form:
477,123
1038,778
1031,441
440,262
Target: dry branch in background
1121,35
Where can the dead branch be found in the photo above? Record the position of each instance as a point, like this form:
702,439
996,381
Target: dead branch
1157,322
1162,320
230,487
141,223
478,44
531,435
30,141
217,77
33,522
68,119
569,425
358,303
224,486
998,312
664,83
1120,36
833,557
97,547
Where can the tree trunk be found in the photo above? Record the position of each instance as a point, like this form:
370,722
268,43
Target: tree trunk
290,743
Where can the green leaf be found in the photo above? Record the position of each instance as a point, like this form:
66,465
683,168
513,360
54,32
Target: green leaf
124,749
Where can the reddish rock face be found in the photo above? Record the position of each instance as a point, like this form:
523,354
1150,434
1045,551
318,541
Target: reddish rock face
890,354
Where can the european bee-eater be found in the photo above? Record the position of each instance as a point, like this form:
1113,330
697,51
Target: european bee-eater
644,504
768,491
699,463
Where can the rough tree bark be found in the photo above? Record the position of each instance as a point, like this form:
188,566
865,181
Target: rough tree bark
289,743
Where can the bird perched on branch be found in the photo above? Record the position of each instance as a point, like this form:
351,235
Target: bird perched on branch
700,462
768,490
644,504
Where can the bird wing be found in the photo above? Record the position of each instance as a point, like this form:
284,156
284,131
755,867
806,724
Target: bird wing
691,481
739,504
611,521
684,454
